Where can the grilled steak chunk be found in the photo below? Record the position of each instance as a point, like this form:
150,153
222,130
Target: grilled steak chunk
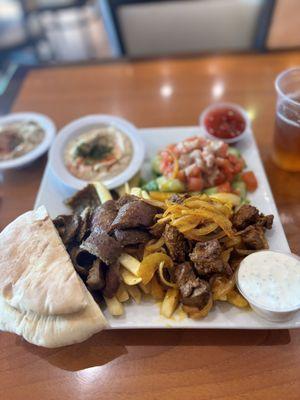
245,216
254,238
185,278
200,296
194,291
266,221
206,257
157,230
135,214
104,216
67,226
176,244
112,280
95,279
101,245
131,236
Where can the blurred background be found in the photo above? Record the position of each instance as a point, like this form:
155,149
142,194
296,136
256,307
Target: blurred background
39,32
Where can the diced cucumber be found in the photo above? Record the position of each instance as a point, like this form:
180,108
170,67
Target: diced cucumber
234,151
240,188
211,190
170,185
151,186
155,165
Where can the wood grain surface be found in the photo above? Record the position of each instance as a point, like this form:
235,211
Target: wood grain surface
159,364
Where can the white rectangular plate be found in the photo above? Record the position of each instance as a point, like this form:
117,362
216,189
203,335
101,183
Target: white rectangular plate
146,315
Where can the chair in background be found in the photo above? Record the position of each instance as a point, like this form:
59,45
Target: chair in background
284,30
152,27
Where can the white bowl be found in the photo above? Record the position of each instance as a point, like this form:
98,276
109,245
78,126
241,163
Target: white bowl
46,124
74,129
271,314
236,107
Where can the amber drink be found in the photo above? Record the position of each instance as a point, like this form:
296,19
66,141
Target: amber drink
286,150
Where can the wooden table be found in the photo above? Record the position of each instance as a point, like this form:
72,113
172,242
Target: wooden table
166,364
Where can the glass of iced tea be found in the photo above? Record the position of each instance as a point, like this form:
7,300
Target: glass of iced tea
286,152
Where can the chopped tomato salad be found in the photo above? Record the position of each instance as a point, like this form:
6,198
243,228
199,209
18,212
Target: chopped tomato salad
200,163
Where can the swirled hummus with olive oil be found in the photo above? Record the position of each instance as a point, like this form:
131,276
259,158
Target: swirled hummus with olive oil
19,138
100,153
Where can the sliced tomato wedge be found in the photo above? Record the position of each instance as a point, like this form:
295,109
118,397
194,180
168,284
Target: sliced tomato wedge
250,180
194,184
181,176
224,188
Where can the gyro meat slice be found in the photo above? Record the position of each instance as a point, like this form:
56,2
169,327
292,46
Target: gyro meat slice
82,261
131,236
101,245
104,216
206,257
95,279
125,199
176,244
68,227
87,197
112,280
135,214
85,225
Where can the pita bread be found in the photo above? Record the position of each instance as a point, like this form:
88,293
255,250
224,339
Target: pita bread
36,273
53,331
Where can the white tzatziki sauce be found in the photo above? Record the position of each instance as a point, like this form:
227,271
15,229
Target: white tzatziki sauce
271,280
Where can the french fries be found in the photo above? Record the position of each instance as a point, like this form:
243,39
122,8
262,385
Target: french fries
198,218
170,303
129,278
236,299
102,192
156,290
122,294
130,263
135,293
114,306
136,191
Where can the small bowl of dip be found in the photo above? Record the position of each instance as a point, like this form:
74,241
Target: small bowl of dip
228,122
270,281
23,138
99,148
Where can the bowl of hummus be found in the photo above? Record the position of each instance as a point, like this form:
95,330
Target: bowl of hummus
23,138
97,148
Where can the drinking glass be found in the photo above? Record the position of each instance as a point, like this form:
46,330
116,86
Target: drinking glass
286,149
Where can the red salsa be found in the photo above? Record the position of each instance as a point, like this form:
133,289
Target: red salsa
225,123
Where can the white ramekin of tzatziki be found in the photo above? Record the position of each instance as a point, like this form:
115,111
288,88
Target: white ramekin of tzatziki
270,281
